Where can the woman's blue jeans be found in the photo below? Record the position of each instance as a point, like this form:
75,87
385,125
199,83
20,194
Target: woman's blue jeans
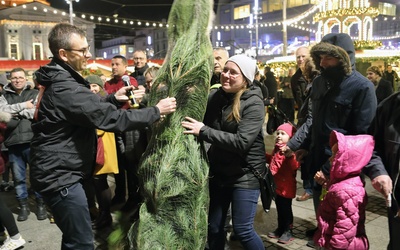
244,206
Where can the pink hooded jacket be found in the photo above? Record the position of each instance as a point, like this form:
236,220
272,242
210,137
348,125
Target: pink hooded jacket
341,215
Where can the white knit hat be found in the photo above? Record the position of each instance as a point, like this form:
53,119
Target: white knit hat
246,64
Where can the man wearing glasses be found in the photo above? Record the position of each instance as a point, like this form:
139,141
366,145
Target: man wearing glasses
18,100
140,60
63,148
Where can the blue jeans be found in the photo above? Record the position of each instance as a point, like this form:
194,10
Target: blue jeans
19,158
243,207
307,185
71,214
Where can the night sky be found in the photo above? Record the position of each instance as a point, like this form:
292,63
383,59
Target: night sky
146,10
153,10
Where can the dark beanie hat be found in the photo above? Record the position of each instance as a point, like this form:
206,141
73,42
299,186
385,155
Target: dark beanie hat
95,79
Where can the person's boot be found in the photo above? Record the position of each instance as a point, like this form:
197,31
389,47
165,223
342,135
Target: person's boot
24,210
41,212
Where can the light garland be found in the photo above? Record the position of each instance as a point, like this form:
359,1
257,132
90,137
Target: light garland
386,19
293,22
386,37
93,17
359,45
370,11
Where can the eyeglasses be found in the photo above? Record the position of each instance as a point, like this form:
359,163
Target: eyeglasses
84,51
17,78
231,75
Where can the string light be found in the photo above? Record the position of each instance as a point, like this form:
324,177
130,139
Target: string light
370,11
293,22
95,17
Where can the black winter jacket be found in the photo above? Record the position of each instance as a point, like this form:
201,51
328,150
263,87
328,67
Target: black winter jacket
235,146
19,128
63,147
385,159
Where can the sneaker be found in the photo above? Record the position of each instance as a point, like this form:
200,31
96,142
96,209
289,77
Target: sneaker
310,232
286,237
11,244
275,234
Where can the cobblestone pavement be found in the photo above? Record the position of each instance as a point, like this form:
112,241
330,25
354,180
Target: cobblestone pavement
41,235
304,219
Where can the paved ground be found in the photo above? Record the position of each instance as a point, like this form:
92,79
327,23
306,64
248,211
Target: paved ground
41,235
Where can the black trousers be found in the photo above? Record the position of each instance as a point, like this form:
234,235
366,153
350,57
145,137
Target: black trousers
7,219
285,212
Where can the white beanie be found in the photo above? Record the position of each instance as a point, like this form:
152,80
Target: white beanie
246,64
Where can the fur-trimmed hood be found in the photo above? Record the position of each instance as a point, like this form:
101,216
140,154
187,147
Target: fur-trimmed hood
337,45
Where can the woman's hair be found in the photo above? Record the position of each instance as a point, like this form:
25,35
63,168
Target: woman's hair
310,71
235,114
60,35
153,70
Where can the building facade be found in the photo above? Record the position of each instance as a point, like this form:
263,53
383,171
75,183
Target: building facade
265,27
24,29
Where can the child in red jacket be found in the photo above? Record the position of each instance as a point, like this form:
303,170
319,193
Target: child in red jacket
283,167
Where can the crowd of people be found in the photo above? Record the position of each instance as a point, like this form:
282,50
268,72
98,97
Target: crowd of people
73,132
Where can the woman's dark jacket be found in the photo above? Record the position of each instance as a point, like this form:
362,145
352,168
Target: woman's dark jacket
383,90
63,147
235,146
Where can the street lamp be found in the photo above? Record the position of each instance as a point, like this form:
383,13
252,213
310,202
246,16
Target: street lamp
71,11
256,19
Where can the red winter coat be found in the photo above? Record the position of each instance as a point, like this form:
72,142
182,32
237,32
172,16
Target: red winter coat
284,171
341,215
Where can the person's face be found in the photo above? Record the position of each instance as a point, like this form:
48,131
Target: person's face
301,55
281,137
220,59
149,80
334,152
374,78
389,69
77,54
232,79
328,61
118,67
140,59
94,88
18,81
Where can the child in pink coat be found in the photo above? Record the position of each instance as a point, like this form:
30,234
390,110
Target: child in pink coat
284,167
341,213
